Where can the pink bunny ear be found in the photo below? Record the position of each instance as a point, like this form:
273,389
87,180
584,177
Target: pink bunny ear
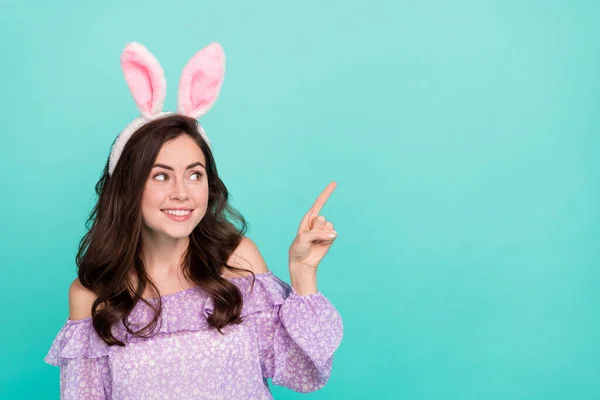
201,81
145,78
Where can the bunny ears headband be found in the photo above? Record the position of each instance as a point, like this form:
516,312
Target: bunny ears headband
199,87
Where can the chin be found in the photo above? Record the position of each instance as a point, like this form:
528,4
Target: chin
178,233
174,232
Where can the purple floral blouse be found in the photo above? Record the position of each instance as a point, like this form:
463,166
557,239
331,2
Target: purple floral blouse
285,336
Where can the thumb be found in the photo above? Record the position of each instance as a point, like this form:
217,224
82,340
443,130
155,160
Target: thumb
314,235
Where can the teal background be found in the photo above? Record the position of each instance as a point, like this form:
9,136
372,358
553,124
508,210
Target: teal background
464,137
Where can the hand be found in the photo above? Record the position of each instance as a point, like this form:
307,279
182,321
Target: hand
315,236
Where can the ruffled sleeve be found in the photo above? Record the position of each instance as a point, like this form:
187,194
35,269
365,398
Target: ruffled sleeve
297,334
83,360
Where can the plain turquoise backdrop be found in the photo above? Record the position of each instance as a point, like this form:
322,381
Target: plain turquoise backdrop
464,137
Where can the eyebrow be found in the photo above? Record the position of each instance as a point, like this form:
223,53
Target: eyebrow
192,165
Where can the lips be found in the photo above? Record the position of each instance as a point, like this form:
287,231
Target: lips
178,214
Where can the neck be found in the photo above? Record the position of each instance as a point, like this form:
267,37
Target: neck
163,255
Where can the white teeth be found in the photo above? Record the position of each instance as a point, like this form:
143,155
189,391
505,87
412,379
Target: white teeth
180,213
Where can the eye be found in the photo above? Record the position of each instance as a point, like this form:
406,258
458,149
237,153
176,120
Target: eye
161,174
198,174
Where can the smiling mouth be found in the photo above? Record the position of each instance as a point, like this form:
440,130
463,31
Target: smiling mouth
177,212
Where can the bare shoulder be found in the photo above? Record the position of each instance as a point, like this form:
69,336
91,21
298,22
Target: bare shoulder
247,256
80,301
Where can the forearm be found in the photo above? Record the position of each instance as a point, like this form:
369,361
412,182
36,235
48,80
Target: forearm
303,279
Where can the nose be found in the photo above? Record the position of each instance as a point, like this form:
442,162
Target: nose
179,191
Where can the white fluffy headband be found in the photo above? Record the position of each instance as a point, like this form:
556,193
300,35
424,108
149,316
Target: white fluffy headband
199,87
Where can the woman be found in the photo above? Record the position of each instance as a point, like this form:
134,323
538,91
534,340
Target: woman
172,301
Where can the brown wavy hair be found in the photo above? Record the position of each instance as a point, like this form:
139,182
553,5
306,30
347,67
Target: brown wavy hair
109,253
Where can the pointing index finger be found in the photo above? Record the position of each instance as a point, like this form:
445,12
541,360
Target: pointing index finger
322,199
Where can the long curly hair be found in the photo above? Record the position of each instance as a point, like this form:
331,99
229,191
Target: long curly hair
110,251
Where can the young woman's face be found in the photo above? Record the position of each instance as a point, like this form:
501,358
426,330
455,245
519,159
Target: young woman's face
176,193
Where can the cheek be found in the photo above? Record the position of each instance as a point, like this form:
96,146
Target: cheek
151,202
153,198
200,195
